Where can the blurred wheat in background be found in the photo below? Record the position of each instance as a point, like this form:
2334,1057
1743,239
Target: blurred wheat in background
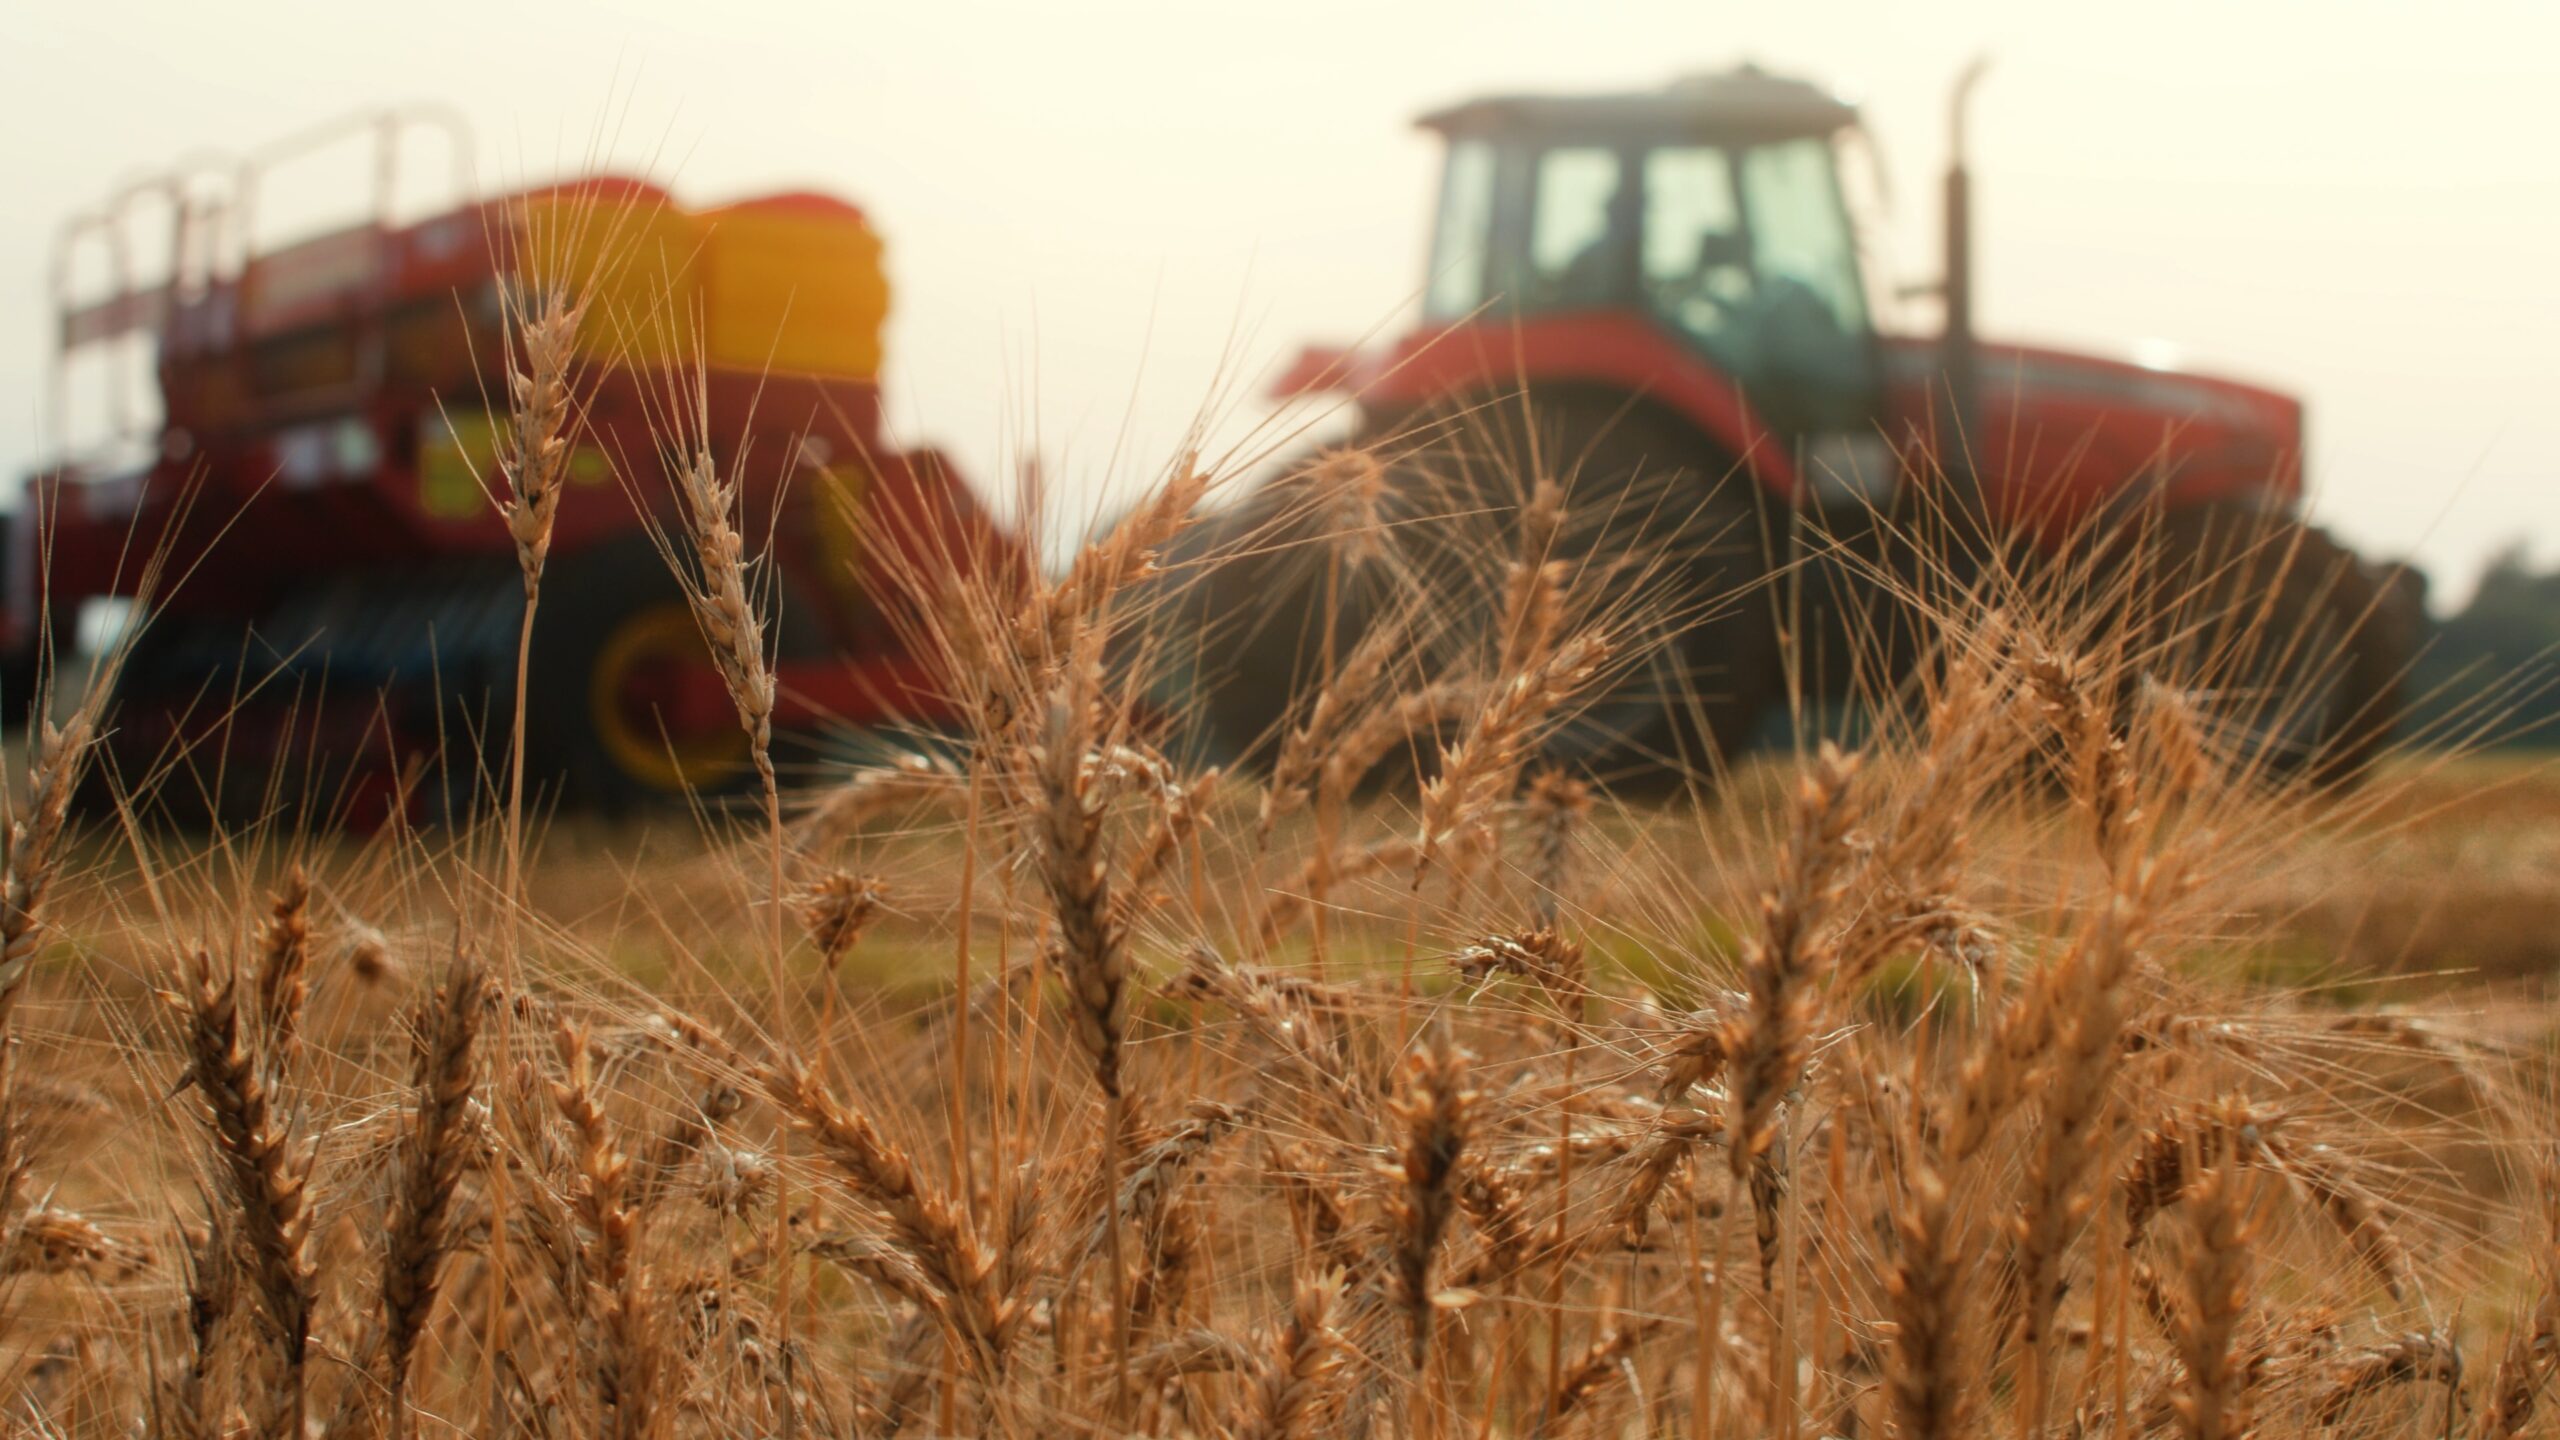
2000,1065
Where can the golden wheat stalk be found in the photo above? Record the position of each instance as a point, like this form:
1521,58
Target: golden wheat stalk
184,1399
34,857
2101,773
2212,1403
1603,1363
1480,769
836,908
614,1305
1432,1111
2073,1107
284,959
35,841
1076,873
1926,1367
1296,1393
1307,747
433,1156
1047,631
266,1171
936,1235
716,588
1767,1043
2400,1360
911,780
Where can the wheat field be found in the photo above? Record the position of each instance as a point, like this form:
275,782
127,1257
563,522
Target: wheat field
2028,1064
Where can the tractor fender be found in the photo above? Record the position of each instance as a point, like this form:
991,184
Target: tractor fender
1594,352
1662,518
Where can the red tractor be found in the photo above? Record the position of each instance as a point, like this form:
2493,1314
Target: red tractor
1660,296
339,583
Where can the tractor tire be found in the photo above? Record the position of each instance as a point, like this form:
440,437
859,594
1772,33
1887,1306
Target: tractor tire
1234,635
1668,540
22,666
2294,651
608,615
1659,537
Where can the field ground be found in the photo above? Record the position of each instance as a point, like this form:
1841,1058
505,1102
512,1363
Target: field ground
2440,879
2362,984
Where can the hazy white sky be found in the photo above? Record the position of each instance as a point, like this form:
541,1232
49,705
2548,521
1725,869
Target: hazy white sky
1091,206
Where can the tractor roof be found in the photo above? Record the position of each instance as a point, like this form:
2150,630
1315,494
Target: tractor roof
1745,102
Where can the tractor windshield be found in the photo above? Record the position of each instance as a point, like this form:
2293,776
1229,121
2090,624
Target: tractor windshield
1746,249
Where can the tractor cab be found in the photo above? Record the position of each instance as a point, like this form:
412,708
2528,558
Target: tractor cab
1713,206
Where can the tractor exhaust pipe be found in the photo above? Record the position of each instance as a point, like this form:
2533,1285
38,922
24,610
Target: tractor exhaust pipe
1959,358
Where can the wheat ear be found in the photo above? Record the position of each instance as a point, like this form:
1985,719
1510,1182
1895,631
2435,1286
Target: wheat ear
1588,1375
284,959
934,1233
35,853
432,1158
35,843
614,1305
1432,1113
1074,870
1479,770
2212,1404
1925,1365
1296,1392
2401,1360
1049,630
836,908
184,1399
1766,1045
2076,1099
267,1173
542,323
1307,747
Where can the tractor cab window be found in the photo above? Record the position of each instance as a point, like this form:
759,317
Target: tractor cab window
1697,258
1743,248
1801,228
1748,252
1463,239
1582,231
1813,361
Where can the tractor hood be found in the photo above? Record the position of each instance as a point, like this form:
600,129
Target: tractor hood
2058,435
2057,422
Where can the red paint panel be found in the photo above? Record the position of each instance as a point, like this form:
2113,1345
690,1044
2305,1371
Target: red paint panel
1615,349
2061,434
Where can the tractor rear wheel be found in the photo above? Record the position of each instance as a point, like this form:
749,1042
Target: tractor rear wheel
2295,653
1662,542
1242,617
1665,546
